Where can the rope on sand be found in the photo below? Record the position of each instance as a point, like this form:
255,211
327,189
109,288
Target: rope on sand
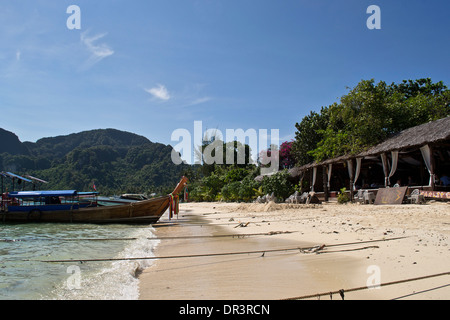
314,249
342,292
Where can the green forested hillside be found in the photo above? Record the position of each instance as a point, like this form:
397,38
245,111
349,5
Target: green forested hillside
10,143
114,160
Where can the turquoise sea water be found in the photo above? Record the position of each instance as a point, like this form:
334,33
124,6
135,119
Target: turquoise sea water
24,246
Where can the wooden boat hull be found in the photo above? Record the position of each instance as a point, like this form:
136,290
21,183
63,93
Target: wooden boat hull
146,211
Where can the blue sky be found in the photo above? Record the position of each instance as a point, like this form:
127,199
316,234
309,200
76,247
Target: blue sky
150,67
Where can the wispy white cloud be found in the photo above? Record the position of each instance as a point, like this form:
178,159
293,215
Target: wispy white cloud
192,95
188,97
196,102
18,55
160,92
98,51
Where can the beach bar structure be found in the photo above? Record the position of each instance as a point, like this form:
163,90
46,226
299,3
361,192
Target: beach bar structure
416,157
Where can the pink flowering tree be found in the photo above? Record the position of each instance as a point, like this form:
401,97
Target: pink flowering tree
286,158
284,154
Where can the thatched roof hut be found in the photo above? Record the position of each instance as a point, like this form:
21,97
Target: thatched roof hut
411,145
427,133
295,172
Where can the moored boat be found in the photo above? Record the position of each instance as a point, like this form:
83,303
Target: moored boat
82,207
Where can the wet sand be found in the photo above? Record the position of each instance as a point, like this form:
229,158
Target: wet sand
287,274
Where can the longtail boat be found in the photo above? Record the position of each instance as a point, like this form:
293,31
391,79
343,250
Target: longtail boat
71,206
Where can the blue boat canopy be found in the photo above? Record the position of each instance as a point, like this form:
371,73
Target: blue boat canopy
37,194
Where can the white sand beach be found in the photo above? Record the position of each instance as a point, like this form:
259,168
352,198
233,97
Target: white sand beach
422,250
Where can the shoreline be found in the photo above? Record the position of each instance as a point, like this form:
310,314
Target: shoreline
285,274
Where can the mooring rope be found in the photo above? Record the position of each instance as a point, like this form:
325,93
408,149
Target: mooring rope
313,249
234,235
342,292
200,224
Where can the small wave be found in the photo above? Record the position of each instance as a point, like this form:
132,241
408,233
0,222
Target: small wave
111,280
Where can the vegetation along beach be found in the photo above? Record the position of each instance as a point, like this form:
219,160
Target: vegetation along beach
238,234
224,151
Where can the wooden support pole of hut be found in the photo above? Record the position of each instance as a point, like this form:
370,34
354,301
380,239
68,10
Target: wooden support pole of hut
427,154
300,182
313,178
351,174
385,169
432,168
325,182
